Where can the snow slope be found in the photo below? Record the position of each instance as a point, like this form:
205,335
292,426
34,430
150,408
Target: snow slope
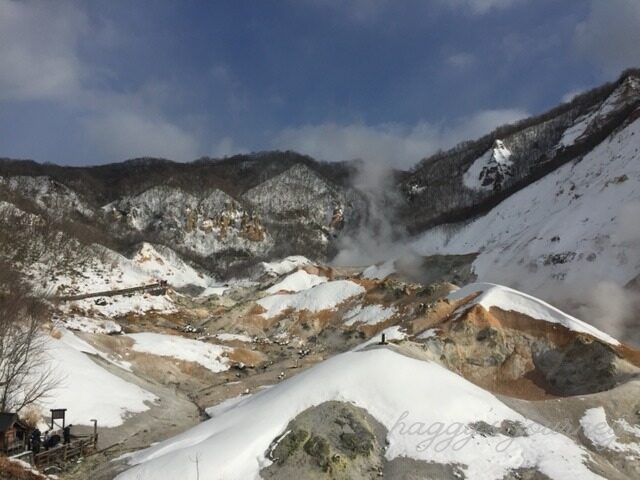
573,228
596,428
286,265
399,392
297,281
90,325
369,314
103,270
208,355
380,271
619,97
490,168
490,295
324,296
163,263
86,389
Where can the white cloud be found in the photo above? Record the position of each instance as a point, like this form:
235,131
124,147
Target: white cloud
359,11
38,49
481,6
371,11
40,60
392,144
226,147
120,135
610,35
461,60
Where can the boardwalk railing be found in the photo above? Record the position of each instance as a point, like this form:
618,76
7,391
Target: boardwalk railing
62,454
160,287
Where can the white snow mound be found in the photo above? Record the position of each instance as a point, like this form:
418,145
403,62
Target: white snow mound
324,296
369,315
491,295
399,392
286,265
208,355
300,280
86,389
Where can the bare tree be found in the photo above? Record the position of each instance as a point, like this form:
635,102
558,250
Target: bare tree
25,374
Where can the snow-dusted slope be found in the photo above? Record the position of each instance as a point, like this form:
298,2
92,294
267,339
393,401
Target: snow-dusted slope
369,315
504,298
53,197
324,296
164,264
297,189
583,124
573,228
399,392
297,281
206,354
286,265
490,170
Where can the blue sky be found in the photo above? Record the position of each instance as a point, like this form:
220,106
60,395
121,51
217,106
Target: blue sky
384,80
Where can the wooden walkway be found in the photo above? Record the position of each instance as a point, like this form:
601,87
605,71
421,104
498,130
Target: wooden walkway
153,287
59,456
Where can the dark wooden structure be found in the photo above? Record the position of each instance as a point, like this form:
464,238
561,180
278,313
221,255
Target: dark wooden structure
58,414
60,455
14,434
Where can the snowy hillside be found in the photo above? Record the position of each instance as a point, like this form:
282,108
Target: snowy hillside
566,232
87,389
475,175
323,296
490,170
489,295
173,289
235,443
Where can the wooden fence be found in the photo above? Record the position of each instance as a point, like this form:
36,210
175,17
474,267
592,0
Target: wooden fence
60,455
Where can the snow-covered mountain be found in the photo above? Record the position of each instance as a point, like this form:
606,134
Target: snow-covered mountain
569,236
426,403
490,344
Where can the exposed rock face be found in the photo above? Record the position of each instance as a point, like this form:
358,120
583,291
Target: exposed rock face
341,441
491,170
301,208
54,197
218,213
527,358
201,224
333,440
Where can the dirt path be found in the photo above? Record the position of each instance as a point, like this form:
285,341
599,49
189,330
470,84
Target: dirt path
171,414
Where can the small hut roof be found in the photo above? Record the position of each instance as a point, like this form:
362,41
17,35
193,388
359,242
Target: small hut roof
7,420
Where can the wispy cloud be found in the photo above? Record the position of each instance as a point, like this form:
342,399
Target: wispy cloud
461,60
126,134
38,50
610,35
394,144
40,54
481,6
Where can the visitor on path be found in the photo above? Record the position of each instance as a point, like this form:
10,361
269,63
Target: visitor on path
66,434
35,441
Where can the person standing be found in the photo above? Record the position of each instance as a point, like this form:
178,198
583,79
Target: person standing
66,434
35,441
